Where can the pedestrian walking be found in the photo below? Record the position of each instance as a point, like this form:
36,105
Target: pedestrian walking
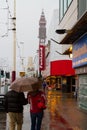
14,102
37,101
44,85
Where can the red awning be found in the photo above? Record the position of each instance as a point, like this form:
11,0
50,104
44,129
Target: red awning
62,67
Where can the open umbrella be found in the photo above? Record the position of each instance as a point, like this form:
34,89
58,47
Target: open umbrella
23,84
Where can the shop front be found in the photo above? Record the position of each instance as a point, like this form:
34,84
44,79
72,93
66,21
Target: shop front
80,65
64,73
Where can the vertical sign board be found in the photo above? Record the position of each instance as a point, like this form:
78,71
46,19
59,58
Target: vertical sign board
41,57
80,52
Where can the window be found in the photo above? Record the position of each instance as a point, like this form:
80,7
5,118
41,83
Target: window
63,7
69,1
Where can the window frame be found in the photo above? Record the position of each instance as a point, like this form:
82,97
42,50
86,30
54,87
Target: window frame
62,12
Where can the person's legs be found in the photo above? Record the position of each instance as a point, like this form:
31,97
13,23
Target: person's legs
12,121
19,119
39,120
33,121
19,126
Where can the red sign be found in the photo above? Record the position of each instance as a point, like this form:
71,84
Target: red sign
41,57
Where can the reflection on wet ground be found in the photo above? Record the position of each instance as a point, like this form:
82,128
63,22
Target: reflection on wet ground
54,102
64,113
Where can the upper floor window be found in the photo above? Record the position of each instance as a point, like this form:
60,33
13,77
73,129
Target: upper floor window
69,1
63,7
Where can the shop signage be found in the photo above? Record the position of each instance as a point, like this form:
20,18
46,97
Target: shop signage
81,70
80,52
41,57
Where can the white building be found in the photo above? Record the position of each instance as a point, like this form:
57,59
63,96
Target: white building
56,62
30,67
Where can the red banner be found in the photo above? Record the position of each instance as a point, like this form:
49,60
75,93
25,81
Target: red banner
41,57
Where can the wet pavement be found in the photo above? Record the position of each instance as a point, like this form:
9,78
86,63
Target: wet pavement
62,113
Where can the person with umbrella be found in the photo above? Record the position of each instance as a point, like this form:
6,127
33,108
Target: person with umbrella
37,101
14,102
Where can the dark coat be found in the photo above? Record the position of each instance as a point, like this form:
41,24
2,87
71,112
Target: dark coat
14,101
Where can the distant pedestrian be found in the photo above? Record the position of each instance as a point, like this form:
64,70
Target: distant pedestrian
44,85
14,102
37,101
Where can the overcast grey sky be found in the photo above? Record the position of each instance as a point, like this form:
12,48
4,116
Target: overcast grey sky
28,13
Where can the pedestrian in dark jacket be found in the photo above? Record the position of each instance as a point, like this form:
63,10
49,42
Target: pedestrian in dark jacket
14,102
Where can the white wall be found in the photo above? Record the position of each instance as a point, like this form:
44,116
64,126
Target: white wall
68,21
52,34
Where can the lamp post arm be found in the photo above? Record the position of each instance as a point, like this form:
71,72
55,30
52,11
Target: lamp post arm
58,52
54,41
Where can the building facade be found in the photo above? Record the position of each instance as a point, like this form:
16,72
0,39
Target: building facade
30,72
73,17
57,63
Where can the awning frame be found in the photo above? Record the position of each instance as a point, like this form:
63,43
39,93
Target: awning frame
77,31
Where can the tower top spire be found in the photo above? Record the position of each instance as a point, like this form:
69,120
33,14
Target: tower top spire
42,18
42,28
42,11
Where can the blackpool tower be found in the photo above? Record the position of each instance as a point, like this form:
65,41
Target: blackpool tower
42,40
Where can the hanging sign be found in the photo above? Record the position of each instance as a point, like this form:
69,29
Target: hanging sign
80,52
41,57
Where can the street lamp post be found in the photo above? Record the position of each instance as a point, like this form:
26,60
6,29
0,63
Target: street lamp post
14,44
22,57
